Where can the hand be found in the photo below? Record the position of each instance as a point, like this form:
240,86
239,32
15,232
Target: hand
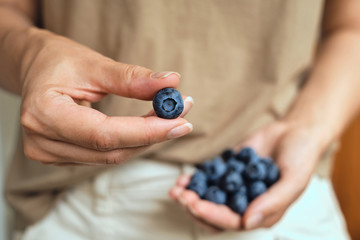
60,79
295,149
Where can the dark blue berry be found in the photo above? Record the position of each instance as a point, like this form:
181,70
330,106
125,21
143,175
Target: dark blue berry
234,165
247,155
199,175
273,174
215,195
198,183
168,103
242,189
231,182
255,171
238,203
255,189
227,154
213,169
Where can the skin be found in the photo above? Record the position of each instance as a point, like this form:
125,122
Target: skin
321,112
57,82
58,79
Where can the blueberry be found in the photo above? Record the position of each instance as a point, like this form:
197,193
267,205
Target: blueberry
238,203
198,183
234,165
255,189
273,174
255,171
168,103
247,155
242,189
216,195
199,175
213,169
227,154
231,182
266,161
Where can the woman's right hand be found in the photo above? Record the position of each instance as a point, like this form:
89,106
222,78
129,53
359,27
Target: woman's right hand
61,78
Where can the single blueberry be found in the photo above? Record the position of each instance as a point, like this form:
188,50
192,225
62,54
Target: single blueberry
198,183
214,169
238,203
273,174
215,195
247,155
255,189
266,161
255,171
199,175
231,182
227,154
234,165
242,189
168,103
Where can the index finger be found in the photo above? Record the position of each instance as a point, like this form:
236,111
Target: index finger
216,215
92,129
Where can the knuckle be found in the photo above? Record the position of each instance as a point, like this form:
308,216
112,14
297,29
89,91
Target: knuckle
130,72
148,134
101,141
147,137
114,159
30,152
27,121
35,154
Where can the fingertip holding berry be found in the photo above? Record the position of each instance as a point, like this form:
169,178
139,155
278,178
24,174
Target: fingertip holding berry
168,103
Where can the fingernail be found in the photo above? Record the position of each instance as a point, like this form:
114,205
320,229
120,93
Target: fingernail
254,221
163,74
180,131
189,99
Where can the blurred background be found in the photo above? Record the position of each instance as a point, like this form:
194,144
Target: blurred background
346,177
9,115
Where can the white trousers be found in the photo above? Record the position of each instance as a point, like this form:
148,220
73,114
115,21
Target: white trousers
131,202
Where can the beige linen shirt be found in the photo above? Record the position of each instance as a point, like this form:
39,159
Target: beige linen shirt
242,61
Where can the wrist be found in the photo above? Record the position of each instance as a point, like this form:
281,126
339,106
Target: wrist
18,47
35,41
318,132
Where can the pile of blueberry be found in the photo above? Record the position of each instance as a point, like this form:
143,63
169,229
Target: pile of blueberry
234,179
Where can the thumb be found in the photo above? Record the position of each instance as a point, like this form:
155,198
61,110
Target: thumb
296,157
136,82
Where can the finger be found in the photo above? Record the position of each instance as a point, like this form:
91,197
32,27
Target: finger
175,192
92,129
216,215
188,103
183,181
61,153
181,184
134,81
187,198
262,210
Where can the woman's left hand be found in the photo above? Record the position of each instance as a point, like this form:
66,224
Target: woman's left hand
295,150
